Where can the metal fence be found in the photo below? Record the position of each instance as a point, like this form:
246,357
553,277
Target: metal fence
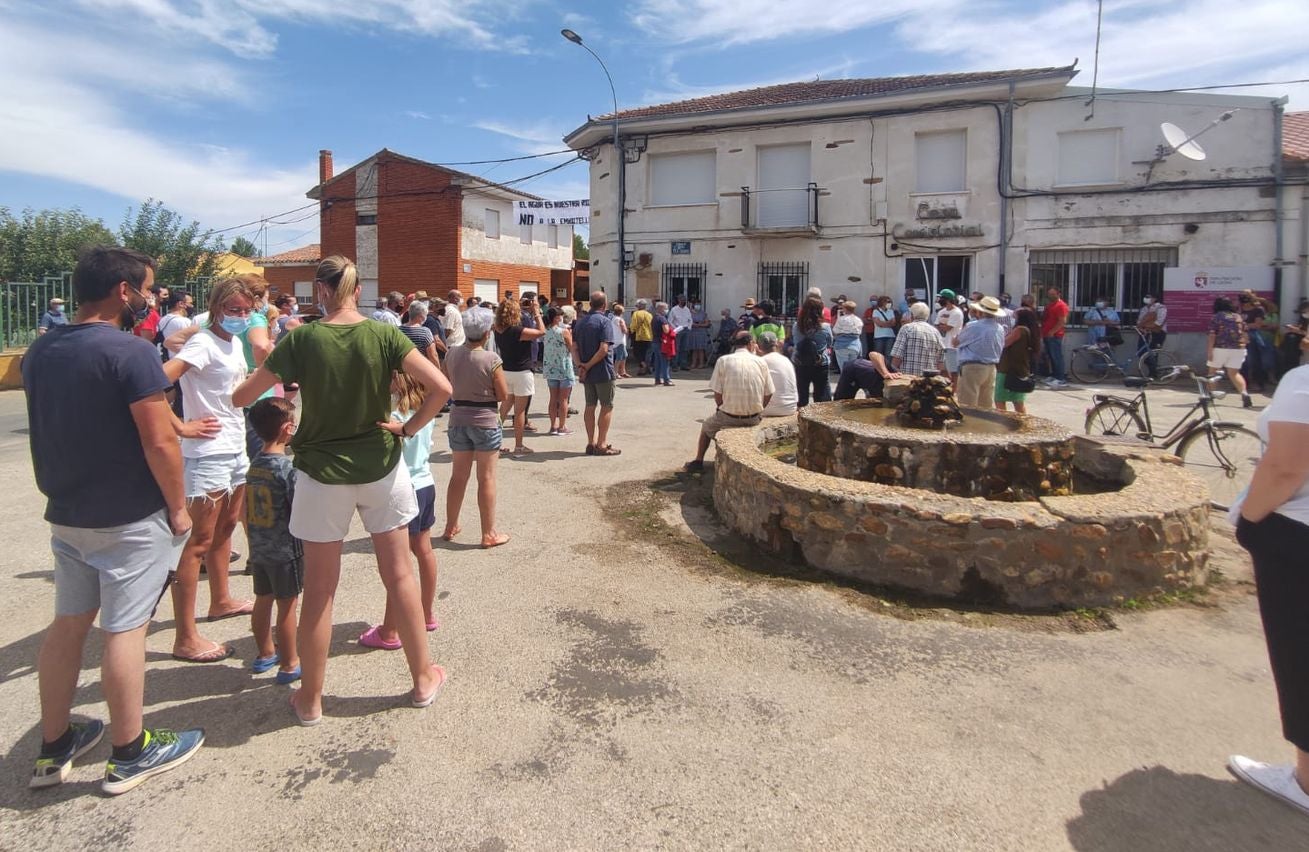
22,303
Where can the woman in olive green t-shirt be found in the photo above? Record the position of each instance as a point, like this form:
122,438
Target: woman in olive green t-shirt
348,454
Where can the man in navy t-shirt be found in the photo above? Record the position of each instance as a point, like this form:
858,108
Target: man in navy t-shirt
595,337
106,456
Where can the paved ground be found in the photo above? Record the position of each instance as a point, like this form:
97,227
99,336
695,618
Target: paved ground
609,691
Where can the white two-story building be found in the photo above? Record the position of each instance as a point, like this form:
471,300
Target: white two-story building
1005,181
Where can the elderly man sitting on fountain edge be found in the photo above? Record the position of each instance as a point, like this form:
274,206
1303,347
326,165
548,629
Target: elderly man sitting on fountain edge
980,345
742,387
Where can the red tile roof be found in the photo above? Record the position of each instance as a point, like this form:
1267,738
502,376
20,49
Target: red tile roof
303,255
832,90
1295,136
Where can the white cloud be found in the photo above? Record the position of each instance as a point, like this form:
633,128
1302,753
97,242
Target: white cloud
418,114
734,22
539,137
241,26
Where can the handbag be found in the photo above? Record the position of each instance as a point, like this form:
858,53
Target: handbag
1019,384
1113,335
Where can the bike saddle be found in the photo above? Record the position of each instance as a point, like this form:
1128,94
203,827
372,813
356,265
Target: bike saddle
1136,382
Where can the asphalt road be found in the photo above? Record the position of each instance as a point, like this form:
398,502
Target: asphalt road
610,689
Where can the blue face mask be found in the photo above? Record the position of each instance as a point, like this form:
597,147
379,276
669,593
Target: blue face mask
235,325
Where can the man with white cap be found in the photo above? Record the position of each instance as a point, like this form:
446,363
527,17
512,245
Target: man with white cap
980,344
53,317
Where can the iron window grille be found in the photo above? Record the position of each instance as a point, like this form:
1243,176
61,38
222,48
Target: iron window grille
1122,277
783,284
684,279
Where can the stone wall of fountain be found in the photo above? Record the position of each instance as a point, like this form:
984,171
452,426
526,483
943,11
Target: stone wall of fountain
1144,531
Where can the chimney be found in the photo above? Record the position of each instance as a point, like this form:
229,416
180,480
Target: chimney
324,166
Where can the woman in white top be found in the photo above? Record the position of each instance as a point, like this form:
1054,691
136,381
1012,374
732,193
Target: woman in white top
207,369
846,333
1272,522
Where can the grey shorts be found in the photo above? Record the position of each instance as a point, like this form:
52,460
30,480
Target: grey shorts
211,474
119,570
474,439
599,392
720,420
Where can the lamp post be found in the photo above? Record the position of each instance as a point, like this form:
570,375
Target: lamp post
622,165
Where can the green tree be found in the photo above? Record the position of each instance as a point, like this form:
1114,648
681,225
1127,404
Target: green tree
580,248
244,248
182,250
45,242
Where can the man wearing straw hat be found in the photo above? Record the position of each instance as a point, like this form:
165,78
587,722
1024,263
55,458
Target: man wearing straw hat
980,344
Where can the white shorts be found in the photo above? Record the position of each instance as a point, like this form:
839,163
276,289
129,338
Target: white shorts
322,513
520,383
1227,359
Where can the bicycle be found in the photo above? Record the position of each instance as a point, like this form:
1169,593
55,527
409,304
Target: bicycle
1220,452
1093,363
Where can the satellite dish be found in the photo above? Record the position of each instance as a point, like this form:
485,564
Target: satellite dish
1181,143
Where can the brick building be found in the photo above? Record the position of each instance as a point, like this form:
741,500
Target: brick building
410,225
292,271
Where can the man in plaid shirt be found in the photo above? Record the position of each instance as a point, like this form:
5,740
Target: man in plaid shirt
918,347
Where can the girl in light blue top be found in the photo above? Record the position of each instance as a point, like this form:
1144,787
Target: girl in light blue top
560,375
409,395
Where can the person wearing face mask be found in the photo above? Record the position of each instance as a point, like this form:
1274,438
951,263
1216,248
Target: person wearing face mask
698,339
883,321
52,318
208,367
147,323
1152,322
1099,320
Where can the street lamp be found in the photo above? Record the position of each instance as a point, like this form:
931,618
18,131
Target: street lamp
622,164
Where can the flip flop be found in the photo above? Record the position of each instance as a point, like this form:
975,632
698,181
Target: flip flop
216,655
307,723
263,664
433,625
420,703
372,638
245,608
501,538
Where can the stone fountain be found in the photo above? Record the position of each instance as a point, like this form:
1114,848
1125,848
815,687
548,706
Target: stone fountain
990,507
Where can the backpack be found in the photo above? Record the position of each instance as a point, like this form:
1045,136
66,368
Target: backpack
807,352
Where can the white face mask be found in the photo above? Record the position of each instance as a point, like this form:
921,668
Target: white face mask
1099,306
1149,301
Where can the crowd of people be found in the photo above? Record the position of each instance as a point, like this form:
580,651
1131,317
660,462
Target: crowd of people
152,447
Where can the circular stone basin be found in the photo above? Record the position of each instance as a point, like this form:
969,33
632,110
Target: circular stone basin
991,454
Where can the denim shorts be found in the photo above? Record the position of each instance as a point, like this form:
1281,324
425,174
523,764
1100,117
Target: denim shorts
560,383
477,439
212,474
620,352
119,570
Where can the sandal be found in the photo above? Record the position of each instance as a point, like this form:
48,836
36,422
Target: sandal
243,608
415,701
216,654
608,450
308,723
372,638
522,451
433,625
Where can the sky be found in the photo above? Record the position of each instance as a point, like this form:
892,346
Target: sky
218,107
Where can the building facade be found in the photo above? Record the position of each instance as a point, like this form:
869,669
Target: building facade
410,225
293,271
1006,181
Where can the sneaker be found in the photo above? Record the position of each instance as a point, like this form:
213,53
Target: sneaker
54,769
1277,781
164,750
1055,383
1246,402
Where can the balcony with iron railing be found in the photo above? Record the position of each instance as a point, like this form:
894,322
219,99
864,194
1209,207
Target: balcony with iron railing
789,210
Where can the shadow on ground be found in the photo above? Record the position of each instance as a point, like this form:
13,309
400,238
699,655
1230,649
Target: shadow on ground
1165,811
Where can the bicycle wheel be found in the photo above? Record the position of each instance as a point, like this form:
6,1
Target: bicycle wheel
1114,419
1224,456
1166,367
1089,365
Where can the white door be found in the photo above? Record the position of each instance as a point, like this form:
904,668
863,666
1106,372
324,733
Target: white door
488,290
783,186
528,287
